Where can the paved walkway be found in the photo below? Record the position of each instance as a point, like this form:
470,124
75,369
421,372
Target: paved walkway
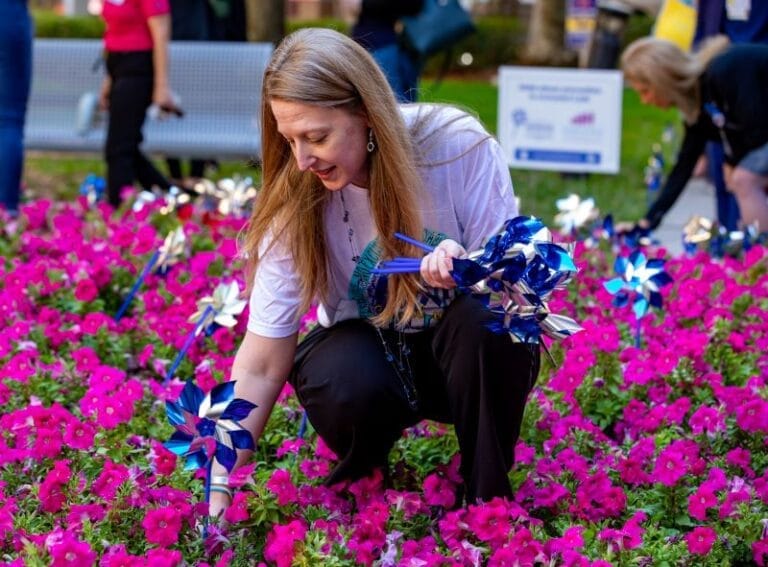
698,198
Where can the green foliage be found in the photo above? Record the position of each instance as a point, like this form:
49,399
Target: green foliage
332,23
51,25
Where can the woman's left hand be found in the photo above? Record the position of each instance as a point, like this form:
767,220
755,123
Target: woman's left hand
437,265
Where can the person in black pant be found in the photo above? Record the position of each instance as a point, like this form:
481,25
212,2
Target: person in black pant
136,45
375,30
466,379
344,169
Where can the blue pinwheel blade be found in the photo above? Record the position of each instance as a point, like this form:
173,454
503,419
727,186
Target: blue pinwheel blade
514,269
621,299
522,228
493,250
226,456
526,329
637,258
640,306
195,461
467,272
656,300
608,225
179,443
242,439
661,279
620,265
175,413
191,397
238,409
556,257
222,393
614,286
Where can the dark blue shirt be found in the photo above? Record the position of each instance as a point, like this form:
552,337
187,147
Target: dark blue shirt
712,19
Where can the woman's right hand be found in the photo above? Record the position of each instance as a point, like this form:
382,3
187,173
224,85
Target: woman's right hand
437,265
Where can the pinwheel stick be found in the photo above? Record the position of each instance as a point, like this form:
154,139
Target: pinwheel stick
417,243
187,344
208,473
136,285
638,331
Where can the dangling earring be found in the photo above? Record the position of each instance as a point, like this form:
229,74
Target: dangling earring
371,145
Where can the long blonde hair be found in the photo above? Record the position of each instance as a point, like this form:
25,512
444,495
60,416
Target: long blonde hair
325,68
670,70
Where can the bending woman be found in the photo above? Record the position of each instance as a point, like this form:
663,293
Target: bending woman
721,92
344,169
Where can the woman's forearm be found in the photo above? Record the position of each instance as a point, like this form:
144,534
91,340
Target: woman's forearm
259,371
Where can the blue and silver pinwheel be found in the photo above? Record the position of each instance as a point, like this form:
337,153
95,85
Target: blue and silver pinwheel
208,426
575,213
638,277
93,188
514,274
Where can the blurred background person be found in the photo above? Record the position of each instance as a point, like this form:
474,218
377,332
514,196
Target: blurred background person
15,77
226,20
136,44
190,21
375,30
720,91
742,22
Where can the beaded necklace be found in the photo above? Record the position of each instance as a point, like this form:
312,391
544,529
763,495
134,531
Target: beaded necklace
350,229
400,363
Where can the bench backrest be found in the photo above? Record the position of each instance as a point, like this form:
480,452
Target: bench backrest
219,85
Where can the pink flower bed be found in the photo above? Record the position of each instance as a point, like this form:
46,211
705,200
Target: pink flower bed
628,456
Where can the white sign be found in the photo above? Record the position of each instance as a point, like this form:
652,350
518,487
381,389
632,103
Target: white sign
560,119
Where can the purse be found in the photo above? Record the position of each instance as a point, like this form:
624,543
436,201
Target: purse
439,25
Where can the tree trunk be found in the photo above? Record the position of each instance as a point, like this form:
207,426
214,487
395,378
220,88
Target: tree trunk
546,35
266,20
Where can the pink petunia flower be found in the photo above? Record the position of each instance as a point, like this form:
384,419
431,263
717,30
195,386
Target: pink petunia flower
86,291
71,552
489,521
670,467
163,461
238,510
281,540
282,487
163,558
439,491
701,540
78,434
162,526
706,420
701,501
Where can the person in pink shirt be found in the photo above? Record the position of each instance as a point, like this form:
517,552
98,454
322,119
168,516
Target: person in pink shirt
136,45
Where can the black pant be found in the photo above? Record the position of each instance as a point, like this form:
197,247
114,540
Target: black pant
196,168
130,96
464,374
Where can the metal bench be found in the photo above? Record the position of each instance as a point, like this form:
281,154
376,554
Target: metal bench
219,85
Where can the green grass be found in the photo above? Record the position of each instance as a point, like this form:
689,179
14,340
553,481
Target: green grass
623,194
